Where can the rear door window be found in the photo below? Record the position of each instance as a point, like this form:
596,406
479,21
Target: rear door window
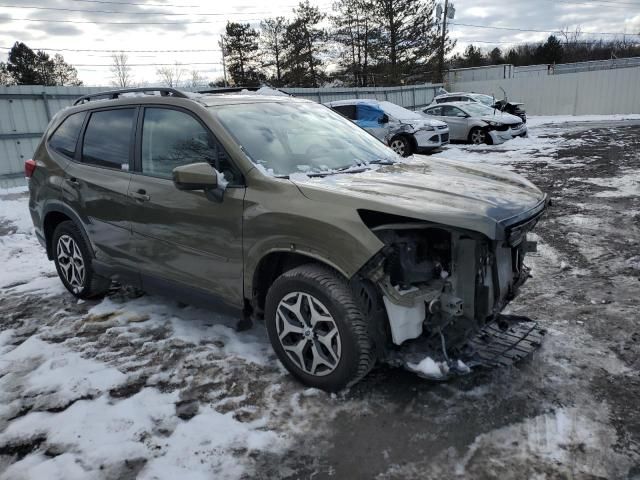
65,138
436,111
348,111
107,140
171,138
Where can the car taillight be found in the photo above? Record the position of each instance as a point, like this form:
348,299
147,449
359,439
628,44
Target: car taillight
29,168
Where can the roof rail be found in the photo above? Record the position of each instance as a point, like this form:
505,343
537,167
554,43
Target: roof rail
113,94
229,89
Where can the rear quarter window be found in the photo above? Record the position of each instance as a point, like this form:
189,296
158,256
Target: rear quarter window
65,138
107,140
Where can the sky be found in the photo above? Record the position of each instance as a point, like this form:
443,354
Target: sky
66,26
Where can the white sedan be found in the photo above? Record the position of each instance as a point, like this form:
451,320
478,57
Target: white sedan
477,123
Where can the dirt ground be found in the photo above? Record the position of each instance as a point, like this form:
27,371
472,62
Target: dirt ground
572,410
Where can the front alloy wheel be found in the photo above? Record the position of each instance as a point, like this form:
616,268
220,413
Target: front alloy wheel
308,333
401,146
318,329
478,136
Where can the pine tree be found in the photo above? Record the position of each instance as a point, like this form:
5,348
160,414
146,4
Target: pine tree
272,44
305,41
27,67
409,35
357,33
241,53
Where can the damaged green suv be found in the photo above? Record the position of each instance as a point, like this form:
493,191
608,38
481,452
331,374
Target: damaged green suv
281,210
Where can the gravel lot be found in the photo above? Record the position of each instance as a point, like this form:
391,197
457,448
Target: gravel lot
139,387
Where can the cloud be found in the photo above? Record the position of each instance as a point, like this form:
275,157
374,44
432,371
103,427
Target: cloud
58,29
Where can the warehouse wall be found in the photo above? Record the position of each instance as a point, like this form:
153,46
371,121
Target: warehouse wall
582,93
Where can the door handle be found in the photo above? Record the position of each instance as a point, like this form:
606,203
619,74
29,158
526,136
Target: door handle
141,195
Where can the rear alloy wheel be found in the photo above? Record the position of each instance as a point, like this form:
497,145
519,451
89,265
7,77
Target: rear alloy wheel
73,262
401,146
478,136
318,329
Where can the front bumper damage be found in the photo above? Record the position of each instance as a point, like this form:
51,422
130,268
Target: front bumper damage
501,343
443,292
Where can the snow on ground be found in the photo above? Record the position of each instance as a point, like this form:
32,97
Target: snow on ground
537,120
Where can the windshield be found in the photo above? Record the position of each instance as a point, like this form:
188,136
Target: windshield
399,112
478,109
285,138
485,99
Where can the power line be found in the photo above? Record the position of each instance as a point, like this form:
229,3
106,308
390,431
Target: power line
512,29
125,23
195,14
121,50
145,64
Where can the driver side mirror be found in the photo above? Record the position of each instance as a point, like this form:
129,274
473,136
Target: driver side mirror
195,176
384,118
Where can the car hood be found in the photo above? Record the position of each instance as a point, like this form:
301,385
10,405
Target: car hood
501,117
448,192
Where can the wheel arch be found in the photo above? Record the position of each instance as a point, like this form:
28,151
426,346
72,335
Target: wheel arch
273,264
56,213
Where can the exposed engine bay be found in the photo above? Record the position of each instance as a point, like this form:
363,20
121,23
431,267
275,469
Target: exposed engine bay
443,288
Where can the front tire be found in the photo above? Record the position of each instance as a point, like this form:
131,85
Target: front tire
318,329
73,263
401,146
478,136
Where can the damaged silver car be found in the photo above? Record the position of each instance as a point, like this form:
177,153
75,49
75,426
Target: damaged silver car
406,132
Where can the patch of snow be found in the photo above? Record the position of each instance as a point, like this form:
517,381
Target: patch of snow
222,182
429,368
264,170
580,440
627,185
536,120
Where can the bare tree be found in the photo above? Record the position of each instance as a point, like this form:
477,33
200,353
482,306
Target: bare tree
196,81
121,70
171,75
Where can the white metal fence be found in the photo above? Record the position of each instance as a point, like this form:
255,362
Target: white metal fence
503,71
25,111
582,93
411,97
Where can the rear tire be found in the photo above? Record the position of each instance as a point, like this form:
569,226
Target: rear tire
73,262
317,328
401,146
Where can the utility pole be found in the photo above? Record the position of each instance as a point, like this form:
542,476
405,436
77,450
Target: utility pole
224,66
442,42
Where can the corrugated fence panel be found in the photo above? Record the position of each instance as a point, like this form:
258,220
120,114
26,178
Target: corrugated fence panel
583,93
25,112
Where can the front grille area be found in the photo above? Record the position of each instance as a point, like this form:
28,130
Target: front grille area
517,126
444,137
